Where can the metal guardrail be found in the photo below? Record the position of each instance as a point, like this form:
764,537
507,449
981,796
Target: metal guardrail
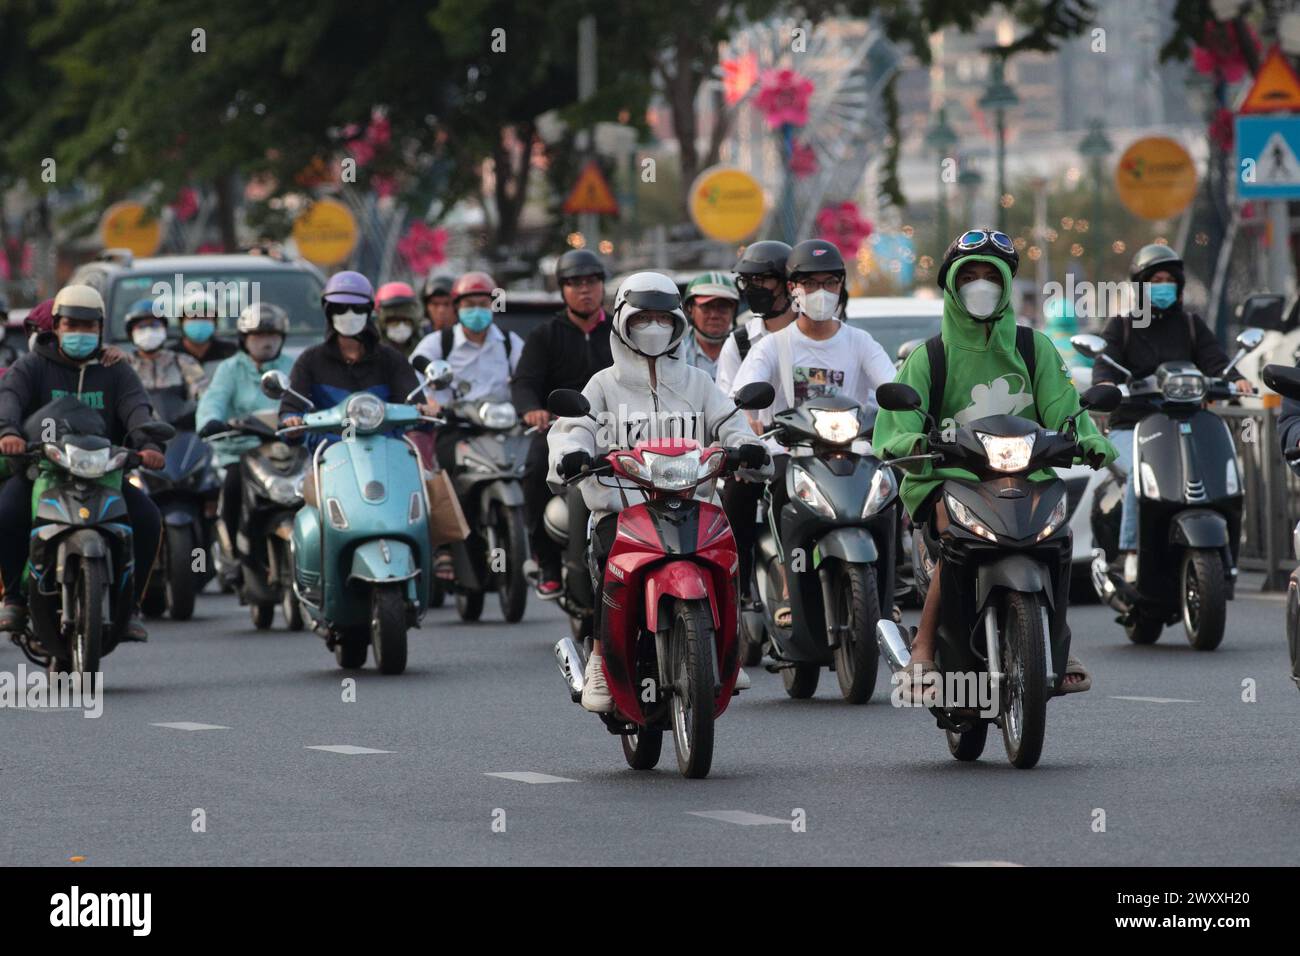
1272,505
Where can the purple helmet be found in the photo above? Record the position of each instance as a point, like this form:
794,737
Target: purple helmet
348,288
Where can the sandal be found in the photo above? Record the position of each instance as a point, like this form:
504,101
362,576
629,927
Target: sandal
783,617
1074,667
444,568
912,679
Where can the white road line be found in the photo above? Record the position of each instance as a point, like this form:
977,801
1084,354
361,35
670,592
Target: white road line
983,863
739,817
190,725
346,749
1158,700
528,776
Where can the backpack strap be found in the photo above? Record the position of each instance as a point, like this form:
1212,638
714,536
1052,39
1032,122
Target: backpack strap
509,346
741,335
1025,346
934,351
447,335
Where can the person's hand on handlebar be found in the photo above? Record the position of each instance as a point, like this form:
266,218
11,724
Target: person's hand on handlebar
430,408
574,463
1244,387
152,459
293,421
12,445
538,418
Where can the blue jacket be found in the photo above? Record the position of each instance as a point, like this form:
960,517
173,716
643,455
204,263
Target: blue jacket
236,390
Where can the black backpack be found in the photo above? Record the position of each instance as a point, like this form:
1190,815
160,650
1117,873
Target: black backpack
448,335
939,367
741,335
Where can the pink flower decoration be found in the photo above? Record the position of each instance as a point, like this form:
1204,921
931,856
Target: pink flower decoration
843,225
24,260
186,204
783,98
385,186
380,131
803,161
423,247
1221,132
1220,51
361,151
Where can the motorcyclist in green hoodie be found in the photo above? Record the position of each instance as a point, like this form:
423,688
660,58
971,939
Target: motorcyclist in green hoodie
986,373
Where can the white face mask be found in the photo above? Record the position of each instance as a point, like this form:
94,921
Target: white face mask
350,323
150,338
399,333
651,339
821,306
980,297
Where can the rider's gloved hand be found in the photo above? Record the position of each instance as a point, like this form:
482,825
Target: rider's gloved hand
1097,451
574,463
751,455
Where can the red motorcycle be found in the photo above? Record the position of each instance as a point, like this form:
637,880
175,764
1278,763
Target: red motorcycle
669,615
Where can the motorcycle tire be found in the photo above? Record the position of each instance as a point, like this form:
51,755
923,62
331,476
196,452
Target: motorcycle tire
350,650
1024,684
642,749
1204,591
800,680
512,538
181,581
263,615
289,605
88,616
1144,629
469,605
388,627
437,594
154,603
857,605
969,745
690,659
753,631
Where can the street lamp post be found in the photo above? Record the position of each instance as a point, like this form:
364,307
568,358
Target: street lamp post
969,181
1096,147
1000,97
942,139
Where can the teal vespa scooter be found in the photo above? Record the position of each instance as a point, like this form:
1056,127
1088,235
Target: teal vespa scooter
362,574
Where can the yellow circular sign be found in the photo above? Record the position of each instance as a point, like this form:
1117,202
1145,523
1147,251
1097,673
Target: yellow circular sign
727,204
125,226
326,233
1156,178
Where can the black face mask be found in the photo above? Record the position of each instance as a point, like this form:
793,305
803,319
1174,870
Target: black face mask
762,302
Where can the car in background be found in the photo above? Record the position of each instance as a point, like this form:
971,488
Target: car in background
233,280
895,321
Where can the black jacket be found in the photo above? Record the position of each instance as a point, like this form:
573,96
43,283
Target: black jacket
218,351
558,354
323,375
45,374
1173,335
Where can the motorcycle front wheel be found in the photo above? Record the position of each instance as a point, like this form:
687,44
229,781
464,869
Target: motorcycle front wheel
289,605
690,659
181,583
856,611
87,642
1204,597
642,749
969,745
388,627
1024,681
512,539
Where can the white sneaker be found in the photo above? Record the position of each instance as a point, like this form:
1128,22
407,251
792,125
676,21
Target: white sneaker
1131,567
595,692
742,679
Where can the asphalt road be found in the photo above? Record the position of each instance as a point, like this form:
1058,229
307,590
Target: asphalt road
1187,774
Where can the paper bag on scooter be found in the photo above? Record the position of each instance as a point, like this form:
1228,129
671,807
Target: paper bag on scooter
447,522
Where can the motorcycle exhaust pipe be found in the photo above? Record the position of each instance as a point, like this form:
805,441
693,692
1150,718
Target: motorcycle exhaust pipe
568,657
1099,570
893,645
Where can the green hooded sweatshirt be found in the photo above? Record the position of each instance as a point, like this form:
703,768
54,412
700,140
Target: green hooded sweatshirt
986,376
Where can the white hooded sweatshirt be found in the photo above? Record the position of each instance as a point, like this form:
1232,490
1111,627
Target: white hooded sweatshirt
684,404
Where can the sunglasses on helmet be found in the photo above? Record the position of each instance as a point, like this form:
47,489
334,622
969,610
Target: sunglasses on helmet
975,238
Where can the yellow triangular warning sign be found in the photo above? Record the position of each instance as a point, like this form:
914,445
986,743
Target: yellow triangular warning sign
591,193
1276,89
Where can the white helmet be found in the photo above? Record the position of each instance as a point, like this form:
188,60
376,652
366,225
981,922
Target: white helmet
648,292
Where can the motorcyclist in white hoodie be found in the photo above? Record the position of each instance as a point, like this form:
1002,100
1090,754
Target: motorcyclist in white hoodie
648,393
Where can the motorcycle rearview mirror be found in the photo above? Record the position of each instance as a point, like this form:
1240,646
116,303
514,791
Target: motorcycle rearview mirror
755,396
275,385
1283,379
1249,339
1089,346
1101,398
155,431
214,427
1263,310
568,403
897,397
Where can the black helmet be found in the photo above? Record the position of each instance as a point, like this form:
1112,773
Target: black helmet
980,241
138,311
262,317
436,285
814,255
765,257
578,262
1153,258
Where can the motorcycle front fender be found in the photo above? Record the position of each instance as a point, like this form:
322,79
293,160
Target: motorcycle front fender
1014,572
1199,528
381,560
855,545
684,580
509,494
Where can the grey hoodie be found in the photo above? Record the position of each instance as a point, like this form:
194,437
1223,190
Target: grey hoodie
684,404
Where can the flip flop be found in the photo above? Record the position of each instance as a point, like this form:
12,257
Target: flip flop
783,617
1075,666
444,568
916,670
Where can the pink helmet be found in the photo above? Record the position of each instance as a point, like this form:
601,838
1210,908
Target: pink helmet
40,318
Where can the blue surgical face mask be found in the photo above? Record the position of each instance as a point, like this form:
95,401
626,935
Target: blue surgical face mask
78,345
1164,294
476,319
198,330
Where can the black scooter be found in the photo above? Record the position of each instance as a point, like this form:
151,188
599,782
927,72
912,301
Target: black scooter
185,490
1005,572
834,542
1191,493
1286,381
80,577
272,476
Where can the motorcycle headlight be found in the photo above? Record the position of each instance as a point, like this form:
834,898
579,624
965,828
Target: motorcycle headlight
882,489
806,490
1006,453
962,515
82,462
284,491
839,426
365,411
1184,387
1150,487
1054,519
1231,484
679,472
498,415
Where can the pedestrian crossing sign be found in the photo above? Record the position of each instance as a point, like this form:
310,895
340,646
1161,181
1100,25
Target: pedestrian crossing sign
1268,157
